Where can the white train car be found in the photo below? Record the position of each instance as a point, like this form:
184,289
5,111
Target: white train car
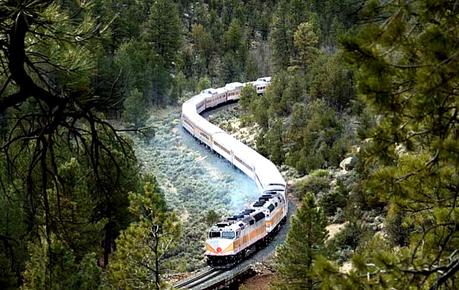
234,90
205,131
217,97
245,160
239,235
223,144
260,86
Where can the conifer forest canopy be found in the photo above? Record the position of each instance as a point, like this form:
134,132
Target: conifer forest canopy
372,82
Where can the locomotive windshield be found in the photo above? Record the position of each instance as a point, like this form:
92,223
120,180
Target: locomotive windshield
214,234
228,235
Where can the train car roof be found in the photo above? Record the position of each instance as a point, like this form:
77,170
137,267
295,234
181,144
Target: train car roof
220,90
265,79
195,100
235,85
225,139
259,83
268,174
207,91
188,109
245,153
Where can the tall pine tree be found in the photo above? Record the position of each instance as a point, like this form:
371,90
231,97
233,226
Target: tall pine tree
143,247
304,244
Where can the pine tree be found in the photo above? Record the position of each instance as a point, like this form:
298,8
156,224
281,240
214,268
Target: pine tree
408,73
286,18
138,262
280,36
306,41
248,95
273,142
203,45
234,52
134,108
304,244
163,31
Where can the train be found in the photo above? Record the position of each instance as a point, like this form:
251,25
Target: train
237,237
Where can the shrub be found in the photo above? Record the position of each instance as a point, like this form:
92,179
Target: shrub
314,184
336,198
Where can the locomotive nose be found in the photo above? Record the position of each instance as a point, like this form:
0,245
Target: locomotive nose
219,246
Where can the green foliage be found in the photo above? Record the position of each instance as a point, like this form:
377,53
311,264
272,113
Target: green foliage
204,45
235,53
350,236
143,247
134,109
272,143
65,271
306,41
398,233
407,73
248,96
313,183
204,83
314,141
180,86
334,199
162,32
212,217
65,172
328,79
304,244
306,137
286,18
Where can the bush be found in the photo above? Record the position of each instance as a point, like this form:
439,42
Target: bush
212,217
336,198
134,109
351,236
320,173
312,183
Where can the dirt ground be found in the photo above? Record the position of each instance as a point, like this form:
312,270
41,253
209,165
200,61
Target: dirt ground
258,282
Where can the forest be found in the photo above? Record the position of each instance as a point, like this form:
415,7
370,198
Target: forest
370,81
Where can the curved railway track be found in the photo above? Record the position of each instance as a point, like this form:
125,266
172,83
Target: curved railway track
200,278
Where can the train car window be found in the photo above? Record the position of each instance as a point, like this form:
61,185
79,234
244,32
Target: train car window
228,235
271,207
251,222
221,147
204,135
214,234
188,123
242,162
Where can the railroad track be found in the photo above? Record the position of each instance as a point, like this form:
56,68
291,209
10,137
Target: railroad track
200,278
